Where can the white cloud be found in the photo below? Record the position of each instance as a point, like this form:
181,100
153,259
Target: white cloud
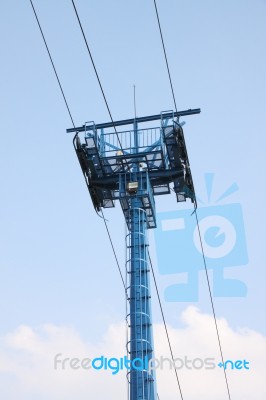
199,339
27,362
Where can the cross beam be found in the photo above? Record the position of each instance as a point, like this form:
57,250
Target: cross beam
132,120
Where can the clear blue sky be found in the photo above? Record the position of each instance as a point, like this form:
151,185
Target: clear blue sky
56,264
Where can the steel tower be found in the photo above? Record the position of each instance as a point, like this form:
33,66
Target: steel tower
133,166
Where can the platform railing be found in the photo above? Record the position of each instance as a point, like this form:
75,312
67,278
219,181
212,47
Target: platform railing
110,145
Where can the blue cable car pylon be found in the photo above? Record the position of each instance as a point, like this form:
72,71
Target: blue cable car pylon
133,166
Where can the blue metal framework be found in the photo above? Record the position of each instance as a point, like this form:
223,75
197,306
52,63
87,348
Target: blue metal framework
133,166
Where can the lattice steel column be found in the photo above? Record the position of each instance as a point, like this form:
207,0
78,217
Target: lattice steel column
140,346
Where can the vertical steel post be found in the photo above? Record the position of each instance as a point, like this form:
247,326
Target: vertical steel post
142,381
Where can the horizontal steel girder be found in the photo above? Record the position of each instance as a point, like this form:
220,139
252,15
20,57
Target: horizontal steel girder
132,120
156,178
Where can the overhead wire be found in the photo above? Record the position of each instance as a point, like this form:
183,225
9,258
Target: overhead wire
165,55
116,259
112,120
196,216
49,54
98,79
72,120
212,304
165,326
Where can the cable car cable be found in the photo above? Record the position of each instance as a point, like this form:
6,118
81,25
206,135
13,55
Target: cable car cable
165,55
49,54
196,216
98,78
165,326
72,120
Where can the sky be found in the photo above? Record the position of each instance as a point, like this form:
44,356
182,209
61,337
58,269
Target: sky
58,277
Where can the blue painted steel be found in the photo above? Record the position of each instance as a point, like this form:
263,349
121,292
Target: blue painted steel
144,194
140,346
142,381
149,160
139,119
